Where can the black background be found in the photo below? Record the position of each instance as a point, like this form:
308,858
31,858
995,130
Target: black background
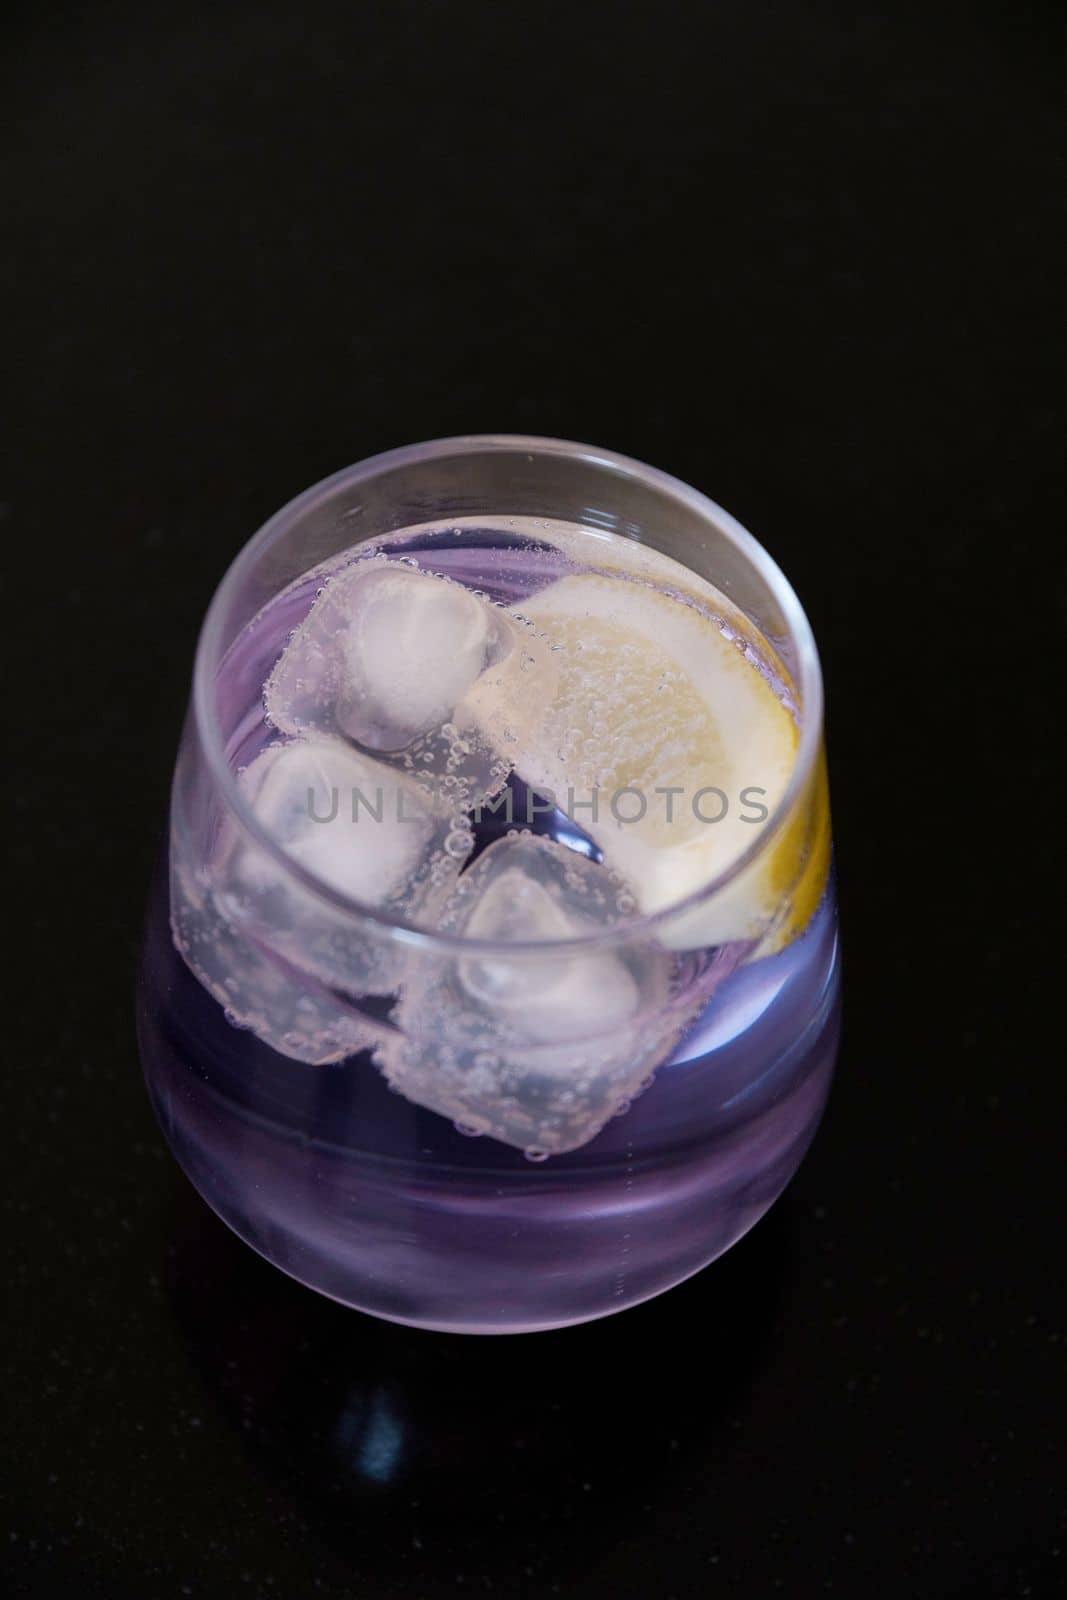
801,255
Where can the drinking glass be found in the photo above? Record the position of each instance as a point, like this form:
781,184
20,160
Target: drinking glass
311,1109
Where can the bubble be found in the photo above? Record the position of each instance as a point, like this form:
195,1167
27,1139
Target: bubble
533,1154
458,842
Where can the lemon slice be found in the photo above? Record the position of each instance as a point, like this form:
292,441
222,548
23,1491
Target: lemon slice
613,553
664,740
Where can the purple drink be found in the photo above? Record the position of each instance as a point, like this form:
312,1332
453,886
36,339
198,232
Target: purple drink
329,1118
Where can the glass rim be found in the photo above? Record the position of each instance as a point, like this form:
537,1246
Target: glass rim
209,655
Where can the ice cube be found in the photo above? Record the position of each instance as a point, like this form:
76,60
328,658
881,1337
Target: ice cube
537,1049
351,821
414,646
301,1018
386,658
551,1001
366,831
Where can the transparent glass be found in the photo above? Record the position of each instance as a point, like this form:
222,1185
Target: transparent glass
332,1125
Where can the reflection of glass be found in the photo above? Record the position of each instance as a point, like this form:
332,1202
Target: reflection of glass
636,1017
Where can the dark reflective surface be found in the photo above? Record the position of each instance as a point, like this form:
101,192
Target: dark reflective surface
526,1452
802,256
